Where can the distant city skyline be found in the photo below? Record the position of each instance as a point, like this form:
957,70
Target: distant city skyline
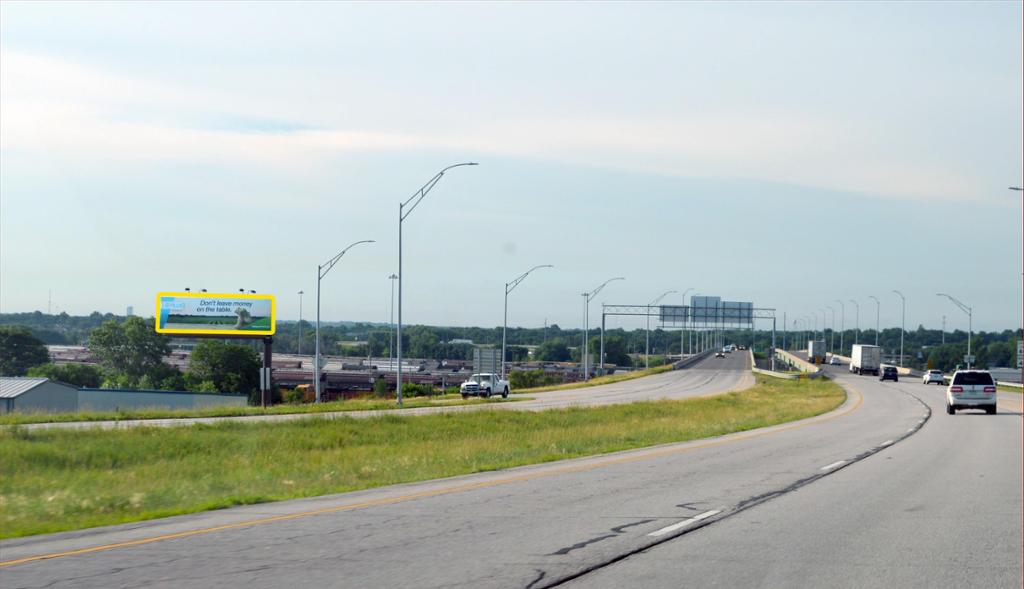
765,152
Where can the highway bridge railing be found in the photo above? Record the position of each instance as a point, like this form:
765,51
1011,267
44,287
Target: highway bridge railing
687,362
798,362
756,370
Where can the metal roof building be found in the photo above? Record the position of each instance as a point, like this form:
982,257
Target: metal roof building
36,395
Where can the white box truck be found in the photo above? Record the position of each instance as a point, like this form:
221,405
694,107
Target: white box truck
866,359
816,351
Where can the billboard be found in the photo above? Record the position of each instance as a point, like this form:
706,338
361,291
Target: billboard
226,315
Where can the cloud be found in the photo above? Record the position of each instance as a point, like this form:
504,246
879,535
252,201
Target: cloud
85,114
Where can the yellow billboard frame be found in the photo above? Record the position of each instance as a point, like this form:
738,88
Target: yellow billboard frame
225,333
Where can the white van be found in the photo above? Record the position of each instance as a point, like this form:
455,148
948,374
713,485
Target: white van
971,389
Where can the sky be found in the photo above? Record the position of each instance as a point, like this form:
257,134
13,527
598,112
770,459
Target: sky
789,154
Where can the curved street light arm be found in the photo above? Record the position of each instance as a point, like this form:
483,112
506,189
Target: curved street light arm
594,292
510,286
655,301
422,192
962,306
326,266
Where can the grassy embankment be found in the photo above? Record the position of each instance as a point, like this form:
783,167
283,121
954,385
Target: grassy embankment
370,404
1008,389
597,381
54,480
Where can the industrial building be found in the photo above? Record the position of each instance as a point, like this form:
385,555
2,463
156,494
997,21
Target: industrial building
36,395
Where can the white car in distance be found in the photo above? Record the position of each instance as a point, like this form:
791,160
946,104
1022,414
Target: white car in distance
933,376
484,385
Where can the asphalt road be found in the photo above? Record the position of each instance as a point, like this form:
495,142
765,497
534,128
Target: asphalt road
709,376
880,492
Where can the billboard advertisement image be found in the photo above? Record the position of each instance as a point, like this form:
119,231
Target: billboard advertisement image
228,315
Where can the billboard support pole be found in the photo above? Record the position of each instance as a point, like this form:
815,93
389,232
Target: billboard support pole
268,354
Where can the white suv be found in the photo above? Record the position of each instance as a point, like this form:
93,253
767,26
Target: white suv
933,376
971,389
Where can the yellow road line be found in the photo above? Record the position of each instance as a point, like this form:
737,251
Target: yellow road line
634,456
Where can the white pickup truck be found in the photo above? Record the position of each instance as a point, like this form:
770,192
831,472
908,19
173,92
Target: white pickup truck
484,385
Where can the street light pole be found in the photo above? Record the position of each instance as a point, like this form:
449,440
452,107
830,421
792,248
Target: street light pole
824,323
683,330
856,331
832,345
586,325
509,287
878,311
647,349
970,325
402,214
391,343
842,325
300,322
322,271
903,324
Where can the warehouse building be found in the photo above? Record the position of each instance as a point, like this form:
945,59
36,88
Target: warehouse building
36,395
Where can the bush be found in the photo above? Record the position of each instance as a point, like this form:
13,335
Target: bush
380,387
411,389
528,379
293,396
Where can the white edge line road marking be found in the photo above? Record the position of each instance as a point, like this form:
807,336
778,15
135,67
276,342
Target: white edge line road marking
833,465
886,443
684,523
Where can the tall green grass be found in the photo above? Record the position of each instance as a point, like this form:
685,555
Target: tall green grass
55,480
361,404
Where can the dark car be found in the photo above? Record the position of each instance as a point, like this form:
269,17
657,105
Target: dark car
889,373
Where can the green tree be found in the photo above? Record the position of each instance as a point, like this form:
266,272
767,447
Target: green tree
132,348
553,351
614,350
20,350
79,375
230,367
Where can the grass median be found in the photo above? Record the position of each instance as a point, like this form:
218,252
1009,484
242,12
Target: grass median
55,480
365,404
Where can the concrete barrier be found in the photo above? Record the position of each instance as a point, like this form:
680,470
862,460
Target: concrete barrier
687,362
756,370
800,363
900,371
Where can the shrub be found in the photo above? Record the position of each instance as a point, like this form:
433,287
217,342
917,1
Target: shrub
528,379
